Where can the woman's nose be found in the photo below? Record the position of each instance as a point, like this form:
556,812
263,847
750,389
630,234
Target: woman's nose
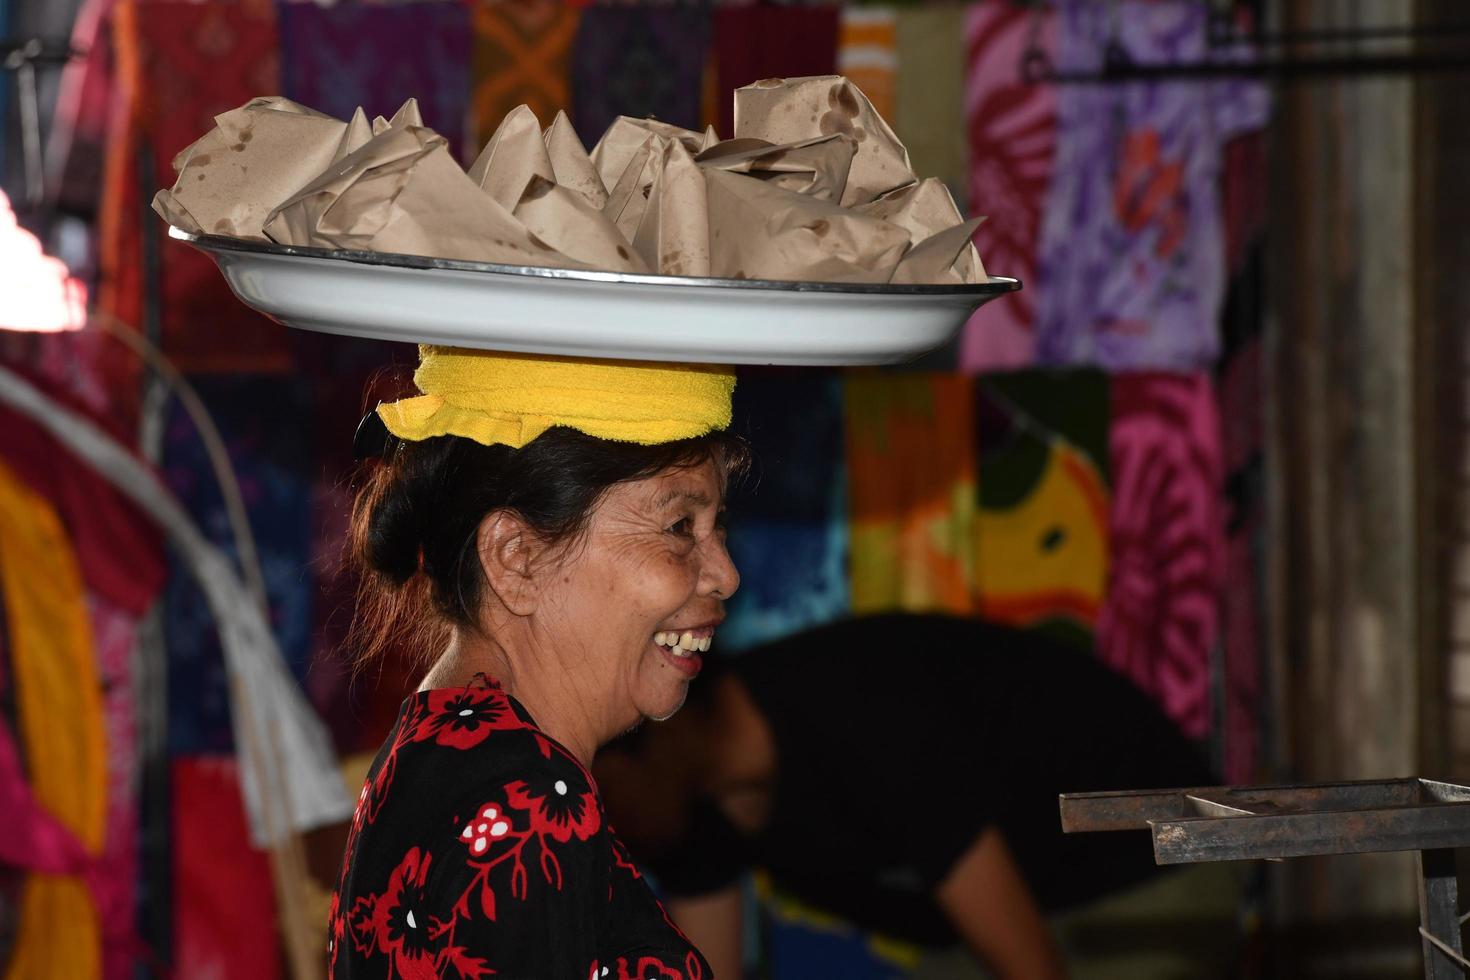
719,577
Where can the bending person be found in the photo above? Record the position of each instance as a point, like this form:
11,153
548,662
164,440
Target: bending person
901,771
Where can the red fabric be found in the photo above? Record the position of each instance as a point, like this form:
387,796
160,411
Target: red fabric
195,61
1012,137
761,41
1160,621
119,550
224,906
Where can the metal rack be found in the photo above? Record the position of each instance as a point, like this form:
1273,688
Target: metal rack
1224,823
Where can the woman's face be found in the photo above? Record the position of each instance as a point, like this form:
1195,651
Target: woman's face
641,595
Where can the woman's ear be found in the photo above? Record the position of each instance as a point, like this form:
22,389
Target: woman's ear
508,550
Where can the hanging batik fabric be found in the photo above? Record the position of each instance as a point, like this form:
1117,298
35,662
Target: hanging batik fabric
789,526
1041,532
911,492
120,558
1160,622
522,56
1012,129
638,61
193,62
59,708
337,58
755,41
1132,253
867,54
259,419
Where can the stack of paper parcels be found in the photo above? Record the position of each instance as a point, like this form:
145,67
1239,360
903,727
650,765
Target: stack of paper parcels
814,186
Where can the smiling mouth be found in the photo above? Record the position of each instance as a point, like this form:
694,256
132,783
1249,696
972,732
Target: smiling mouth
686,643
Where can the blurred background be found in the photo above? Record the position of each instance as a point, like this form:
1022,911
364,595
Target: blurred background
1218,440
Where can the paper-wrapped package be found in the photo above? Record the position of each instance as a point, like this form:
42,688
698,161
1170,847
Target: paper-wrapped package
626,137
358,132
403,192
934,260
813,186
673,234
516,153
927,208
254,158
567,222
758,231
407,115
789,110
815,167
571,164
627,198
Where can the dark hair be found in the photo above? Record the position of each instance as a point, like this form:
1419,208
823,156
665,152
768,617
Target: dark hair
419,505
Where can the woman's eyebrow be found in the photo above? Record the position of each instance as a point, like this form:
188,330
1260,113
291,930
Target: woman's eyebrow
697,497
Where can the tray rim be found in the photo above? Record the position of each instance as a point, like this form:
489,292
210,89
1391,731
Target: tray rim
996,286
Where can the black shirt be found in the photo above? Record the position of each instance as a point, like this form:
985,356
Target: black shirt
480,848
901,738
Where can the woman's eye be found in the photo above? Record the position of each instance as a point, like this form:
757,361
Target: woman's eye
684,527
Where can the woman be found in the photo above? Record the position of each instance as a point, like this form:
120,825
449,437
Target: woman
901,771
558,524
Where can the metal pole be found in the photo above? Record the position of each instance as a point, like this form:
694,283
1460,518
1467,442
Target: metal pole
1439,915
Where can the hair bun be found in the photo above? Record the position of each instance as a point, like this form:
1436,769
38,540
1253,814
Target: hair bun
393,544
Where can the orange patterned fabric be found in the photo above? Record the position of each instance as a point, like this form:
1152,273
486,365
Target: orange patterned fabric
911,459
522,56
59,710
867,53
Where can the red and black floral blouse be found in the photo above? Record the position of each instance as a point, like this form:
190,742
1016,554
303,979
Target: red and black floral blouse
479,848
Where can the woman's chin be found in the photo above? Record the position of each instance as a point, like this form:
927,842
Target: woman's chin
667,706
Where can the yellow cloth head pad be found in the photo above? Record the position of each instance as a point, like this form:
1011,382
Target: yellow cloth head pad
510,399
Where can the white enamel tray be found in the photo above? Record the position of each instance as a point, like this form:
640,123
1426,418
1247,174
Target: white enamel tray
592,314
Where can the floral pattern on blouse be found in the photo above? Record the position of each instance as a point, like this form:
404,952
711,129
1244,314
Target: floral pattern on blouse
479,848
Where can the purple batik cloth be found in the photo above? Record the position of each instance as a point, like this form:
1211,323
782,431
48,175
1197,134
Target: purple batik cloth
638,61
1132,264
335,59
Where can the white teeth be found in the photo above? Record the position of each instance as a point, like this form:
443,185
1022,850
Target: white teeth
682,644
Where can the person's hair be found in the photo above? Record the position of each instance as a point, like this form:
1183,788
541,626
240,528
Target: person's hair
419,505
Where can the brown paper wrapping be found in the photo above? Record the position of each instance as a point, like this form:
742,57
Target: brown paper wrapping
815,167
571,164
758,231
358,132
794,109
625,138
936,258
403,192
814,186
926,208
407,115
567,222
516,153
255,157
627,199
673,234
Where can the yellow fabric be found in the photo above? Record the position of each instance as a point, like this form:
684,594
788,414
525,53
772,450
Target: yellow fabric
59,708
510,399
